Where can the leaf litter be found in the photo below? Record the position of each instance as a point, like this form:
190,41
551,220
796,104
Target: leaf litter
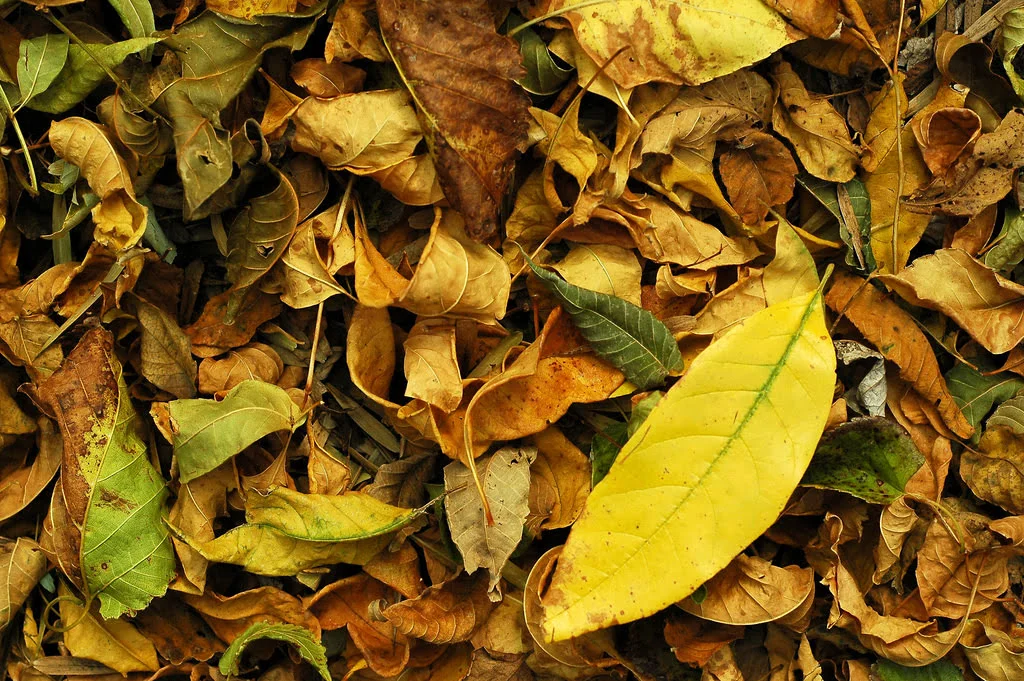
552,339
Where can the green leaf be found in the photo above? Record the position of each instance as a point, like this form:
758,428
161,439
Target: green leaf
827,194
137,16
207,432
82,74
310,649
936,671
627,336
871,458
1013,57
605,446
263,550
543,74
976,394
326,517
40,60
705,475
1008,250
260,233
111,497
1009,414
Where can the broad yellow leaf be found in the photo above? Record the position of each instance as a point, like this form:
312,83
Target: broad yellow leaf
706,474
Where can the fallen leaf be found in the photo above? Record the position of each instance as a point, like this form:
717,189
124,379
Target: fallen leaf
798,364
120,219
686,31
461,74
448,613
22,564
994,470
759,173
309,649
482,542
114,643
431,366
818,133
984,304
209,432
976,394
895,334
325,517
604,268
166,351
119,550
21,486
252,362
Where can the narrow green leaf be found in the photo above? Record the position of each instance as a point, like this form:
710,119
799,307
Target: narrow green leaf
605,446
827,194
627,336
1008,250
976,394
40,60
326,517
309,648
871,458
207,432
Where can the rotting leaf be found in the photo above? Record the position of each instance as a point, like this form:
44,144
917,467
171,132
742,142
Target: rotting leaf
462,74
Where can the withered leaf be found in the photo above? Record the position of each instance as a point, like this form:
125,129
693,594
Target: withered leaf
462,75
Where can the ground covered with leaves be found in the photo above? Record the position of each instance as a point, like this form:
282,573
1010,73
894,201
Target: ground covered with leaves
655,339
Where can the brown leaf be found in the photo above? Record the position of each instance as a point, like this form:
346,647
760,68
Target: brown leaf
987,306
750,590
816,130
399,569
400,483
255,361
895,334
559,482
22,565
447,613
694,641
326,79
759,173
944,135
211,334
177,632
19,487
346,603
166,351
461,74
200,502
352,36
229,616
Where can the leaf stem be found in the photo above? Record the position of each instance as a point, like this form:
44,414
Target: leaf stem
32,181
556,13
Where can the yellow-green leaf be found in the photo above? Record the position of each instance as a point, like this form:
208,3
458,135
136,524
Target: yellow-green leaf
745,417
325,517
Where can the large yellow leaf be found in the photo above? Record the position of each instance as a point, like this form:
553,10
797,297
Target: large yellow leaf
676,41
706,474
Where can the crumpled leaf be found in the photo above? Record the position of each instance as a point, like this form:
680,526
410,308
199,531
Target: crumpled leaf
20,487
310,650
759,173
108,506
255,361
984,304
870,393
595,587
447,613
627,336
976,393
207,432
895,334
738,32
996,471
120,219
750,590
461,74
506,484
871,458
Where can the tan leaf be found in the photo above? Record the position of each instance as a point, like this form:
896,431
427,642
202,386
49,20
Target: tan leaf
486,543
22,340
895,524
399,569
603,268
307,279
987,306
559,481
387,131
200,502
22,565
815,128
996,471
229,616
694,641
895,334
431,365
255,361
165,351
750,590
115,643
759,173
120,219
325,79
943,135
352,36
19,487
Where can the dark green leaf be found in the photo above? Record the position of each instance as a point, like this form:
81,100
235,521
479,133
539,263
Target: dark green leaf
1008,250
871,458
627,336
309,648
936,671
976,394
543,74
607,442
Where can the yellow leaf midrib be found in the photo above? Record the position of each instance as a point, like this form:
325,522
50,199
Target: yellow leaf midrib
758,399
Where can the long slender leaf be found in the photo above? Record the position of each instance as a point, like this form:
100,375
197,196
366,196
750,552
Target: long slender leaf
629,337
